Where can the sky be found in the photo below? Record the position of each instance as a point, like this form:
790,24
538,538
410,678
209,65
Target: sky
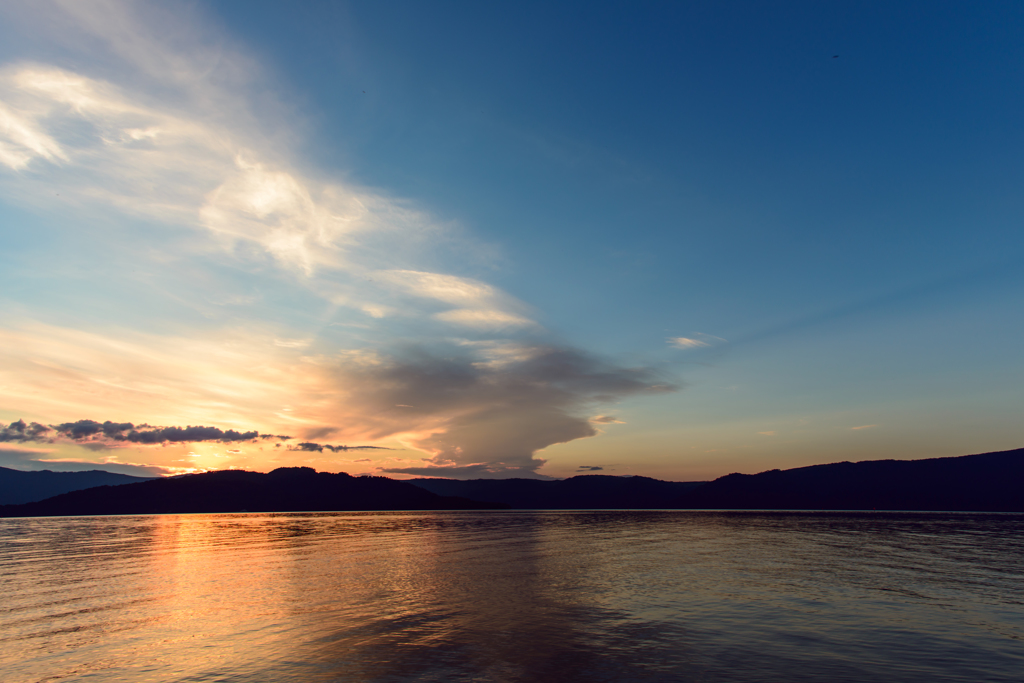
531,239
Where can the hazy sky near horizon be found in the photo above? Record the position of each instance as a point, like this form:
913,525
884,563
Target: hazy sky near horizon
530,239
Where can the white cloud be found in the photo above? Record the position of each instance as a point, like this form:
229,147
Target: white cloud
483,318
687,343
292,343
696,341
22,140
449,289
481,306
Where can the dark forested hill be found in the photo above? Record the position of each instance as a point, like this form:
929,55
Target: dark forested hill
285,489
24,487
590,491
992,482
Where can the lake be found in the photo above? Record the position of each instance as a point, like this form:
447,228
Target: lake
514,596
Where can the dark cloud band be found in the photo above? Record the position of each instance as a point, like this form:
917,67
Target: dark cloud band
320,447
90,431
20,432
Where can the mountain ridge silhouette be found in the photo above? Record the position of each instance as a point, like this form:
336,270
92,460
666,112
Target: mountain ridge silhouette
19,486
286,489
985,482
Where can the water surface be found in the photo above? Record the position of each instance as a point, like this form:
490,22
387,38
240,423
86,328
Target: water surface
514,596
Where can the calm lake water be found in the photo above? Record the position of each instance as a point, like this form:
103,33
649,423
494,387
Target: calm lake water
514,596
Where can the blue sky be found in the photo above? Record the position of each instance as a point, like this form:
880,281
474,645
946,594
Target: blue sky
673,239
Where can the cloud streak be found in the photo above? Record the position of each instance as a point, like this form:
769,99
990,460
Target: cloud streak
696,340
321,447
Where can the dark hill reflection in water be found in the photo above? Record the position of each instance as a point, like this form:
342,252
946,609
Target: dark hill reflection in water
514,596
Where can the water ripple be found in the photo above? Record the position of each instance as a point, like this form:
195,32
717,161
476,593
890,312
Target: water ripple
514,596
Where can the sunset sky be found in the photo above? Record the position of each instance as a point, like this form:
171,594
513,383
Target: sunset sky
524,239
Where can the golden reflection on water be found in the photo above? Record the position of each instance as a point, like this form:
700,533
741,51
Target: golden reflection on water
513,596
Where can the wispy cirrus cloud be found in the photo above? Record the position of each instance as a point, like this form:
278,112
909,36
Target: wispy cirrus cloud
696,340
476,304
107,148
24,141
